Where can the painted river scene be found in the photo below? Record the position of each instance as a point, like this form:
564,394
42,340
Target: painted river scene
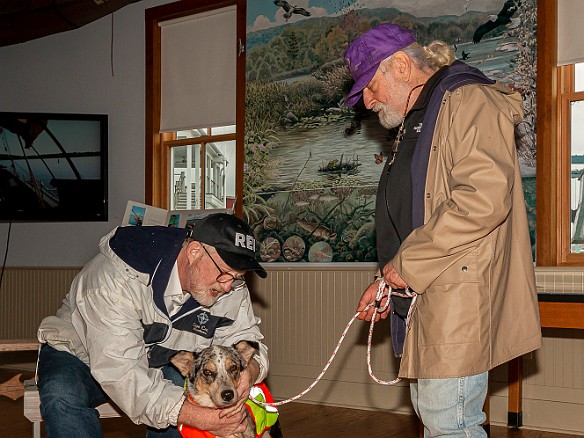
311,163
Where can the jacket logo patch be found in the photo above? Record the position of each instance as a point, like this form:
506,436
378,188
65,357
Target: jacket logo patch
200,326
204,324
203,318
418,127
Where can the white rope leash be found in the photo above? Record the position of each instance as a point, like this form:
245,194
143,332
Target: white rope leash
379,297
377,308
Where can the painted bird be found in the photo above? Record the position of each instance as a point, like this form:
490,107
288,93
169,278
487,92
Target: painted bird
289,9
503,18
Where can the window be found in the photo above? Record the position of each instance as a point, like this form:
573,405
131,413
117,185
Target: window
560,149
202,166
571,146
194,162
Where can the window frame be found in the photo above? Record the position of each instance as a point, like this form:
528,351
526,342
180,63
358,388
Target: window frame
567,95
204,141
157,144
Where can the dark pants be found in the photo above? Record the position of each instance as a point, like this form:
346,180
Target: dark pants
69,394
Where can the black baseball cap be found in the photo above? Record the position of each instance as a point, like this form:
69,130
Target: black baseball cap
232,238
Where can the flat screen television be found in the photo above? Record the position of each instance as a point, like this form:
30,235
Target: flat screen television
53,167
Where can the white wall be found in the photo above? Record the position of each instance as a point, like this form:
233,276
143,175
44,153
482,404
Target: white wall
71,72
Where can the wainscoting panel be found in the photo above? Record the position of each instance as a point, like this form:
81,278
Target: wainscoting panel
28,295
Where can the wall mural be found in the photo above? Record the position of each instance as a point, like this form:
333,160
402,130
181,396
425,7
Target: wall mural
311,164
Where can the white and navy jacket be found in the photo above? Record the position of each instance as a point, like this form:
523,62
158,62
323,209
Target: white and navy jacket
114,319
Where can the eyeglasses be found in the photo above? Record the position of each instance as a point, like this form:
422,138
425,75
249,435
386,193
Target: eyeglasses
226,277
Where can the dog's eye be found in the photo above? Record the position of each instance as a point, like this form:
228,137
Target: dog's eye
233,368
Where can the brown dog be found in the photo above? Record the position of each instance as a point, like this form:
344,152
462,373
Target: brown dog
212,377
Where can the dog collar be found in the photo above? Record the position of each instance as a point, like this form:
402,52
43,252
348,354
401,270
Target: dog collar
192,432
188,395
192,400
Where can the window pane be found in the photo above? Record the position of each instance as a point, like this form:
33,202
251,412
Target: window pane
579,85
220,174
191,133
185,181
187,184
223,130
577,172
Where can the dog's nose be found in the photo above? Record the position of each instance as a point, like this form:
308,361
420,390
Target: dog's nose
227,395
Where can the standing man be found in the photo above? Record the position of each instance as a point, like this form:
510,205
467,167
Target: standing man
150,292
451,223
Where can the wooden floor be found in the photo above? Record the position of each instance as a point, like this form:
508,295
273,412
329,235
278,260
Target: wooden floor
298,420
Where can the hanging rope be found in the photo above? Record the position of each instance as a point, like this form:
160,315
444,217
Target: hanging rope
377,308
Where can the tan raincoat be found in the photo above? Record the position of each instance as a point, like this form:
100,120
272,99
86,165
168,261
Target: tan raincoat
471,261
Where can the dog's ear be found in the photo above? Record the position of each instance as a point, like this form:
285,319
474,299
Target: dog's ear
247,349
184,362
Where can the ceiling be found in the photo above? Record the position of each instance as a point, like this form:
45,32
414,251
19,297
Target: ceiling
25,20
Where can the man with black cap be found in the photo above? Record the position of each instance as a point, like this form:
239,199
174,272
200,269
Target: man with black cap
451,224
150,292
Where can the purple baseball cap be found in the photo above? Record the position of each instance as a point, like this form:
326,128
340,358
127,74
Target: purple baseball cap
368,50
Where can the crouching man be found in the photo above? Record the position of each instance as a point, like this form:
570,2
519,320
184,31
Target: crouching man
150,292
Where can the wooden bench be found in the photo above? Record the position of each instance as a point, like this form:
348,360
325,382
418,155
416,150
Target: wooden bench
15,388
18,345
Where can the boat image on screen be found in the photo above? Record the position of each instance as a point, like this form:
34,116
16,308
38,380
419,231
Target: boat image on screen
53,167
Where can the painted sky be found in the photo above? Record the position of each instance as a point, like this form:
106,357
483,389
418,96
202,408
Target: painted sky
263,14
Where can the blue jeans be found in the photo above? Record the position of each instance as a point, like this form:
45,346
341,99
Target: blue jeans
69,394
451,407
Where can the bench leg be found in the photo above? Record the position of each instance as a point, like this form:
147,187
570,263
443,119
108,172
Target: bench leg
36,429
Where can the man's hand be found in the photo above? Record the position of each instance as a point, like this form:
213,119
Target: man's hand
392,278
369,297
209,419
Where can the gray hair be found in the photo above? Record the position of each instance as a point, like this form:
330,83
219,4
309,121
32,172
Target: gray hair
432,57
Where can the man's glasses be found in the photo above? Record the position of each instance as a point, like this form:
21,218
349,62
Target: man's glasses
226,277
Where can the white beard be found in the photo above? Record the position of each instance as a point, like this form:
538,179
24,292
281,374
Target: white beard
388,118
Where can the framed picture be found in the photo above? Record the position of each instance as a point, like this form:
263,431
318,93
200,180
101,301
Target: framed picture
53,167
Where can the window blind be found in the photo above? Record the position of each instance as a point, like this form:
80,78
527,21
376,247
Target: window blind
570,32
198,71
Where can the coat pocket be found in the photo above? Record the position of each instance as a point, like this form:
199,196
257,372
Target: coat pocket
449,311
450,315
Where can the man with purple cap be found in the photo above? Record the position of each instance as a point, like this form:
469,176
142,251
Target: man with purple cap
451,224
150,292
